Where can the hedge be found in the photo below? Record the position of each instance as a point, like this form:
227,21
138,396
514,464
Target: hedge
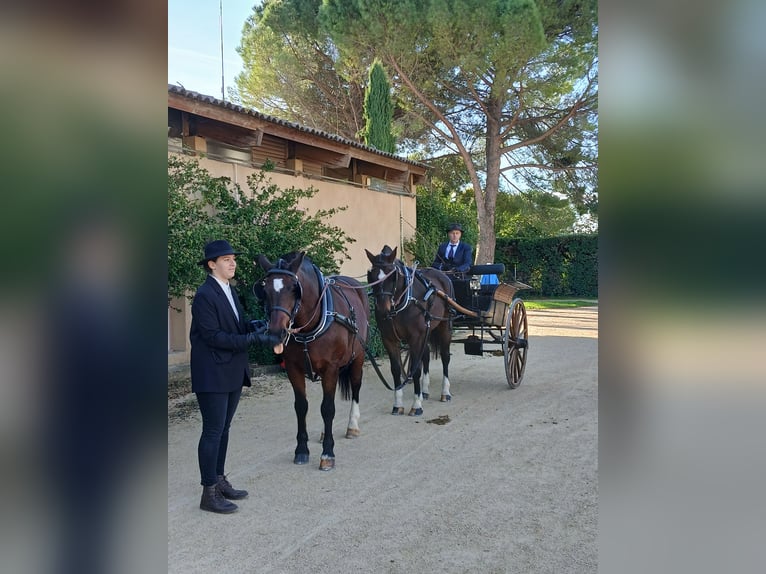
565,266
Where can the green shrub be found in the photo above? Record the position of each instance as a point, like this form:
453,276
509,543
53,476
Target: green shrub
267,220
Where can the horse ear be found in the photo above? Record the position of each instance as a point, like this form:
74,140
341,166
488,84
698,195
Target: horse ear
296,263
370,256
264,262
393,253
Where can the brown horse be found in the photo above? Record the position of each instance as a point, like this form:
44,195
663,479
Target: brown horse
323,323
407,309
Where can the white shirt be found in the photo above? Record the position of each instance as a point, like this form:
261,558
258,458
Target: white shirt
227,290
454,249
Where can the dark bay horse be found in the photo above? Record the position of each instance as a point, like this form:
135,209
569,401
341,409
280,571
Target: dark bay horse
323,323
407,309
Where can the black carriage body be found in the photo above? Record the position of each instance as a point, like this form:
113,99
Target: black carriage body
491,315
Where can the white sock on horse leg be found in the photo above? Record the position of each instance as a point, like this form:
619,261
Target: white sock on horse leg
425,382
353,417
399,398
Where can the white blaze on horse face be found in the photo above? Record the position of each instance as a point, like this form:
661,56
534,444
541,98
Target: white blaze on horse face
278,285
381,275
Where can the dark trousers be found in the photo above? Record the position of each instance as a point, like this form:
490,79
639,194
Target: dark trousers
217,410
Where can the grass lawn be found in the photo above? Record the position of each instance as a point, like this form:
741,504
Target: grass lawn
559,303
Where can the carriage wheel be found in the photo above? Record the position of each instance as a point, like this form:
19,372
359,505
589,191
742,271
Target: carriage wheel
515,343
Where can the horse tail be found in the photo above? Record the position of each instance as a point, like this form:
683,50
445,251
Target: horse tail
344,378
433,342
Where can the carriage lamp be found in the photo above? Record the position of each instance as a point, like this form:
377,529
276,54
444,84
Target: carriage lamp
475,282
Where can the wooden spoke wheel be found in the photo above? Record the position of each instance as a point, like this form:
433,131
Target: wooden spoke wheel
515,343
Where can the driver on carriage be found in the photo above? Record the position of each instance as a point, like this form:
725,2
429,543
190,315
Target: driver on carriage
454,255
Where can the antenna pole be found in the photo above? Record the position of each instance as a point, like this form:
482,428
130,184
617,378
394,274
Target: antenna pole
220,22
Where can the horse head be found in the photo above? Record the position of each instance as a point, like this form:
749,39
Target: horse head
282,291
384,278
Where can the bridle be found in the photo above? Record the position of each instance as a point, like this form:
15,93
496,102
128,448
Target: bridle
398,271
298,293
291,314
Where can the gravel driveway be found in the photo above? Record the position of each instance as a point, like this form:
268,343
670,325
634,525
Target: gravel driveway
509,484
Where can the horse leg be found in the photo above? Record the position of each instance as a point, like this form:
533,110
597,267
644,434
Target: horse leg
417,406
425,380
445,338
352,431
329,382
301,408
395,359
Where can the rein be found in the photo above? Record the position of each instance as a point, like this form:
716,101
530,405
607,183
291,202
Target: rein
408,282
291,331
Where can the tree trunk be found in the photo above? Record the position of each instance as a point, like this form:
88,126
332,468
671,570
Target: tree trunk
485,252
486,201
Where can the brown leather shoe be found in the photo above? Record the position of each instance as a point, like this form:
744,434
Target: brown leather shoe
213,501
228,490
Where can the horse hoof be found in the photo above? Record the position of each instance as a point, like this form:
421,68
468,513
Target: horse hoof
398,411
446,398
327,464
353,433
416,412
425,396
302,458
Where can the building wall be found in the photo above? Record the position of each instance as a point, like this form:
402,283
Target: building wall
372,218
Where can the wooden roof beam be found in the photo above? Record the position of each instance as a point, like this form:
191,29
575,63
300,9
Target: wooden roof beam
237,118
326,157
232,135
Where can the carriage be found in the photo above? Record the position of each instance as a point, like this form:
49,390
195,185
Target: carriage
420,308
487,314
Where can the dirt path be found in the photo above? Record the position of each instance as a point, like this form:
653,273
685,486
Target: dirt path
509,484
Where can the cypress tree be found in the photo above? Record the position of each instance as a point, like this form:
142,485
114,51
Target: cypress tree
378,111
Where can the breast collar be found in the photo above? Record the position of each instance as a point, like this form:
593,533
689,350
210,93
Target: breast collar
409,281
327,312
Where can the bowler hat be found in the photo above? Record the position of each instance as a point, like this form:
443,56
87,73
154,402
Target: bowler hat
455,226
216,249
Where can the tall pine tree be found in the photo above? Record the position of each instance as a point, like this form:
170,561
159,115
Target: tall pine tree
378,111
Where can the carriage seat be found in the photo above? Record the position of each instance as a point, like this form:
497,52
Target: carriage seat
483,291
479,297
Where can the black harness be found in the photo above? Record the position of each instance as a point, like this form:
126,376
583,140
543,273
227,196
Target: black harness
328,315
404,300
406,297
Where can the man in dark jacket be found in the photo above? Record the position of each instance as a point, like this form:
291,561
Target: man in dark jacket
220,337
454,255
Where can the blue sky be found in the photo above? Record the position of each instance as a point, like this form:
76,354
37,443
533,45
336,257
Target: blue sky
194,43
